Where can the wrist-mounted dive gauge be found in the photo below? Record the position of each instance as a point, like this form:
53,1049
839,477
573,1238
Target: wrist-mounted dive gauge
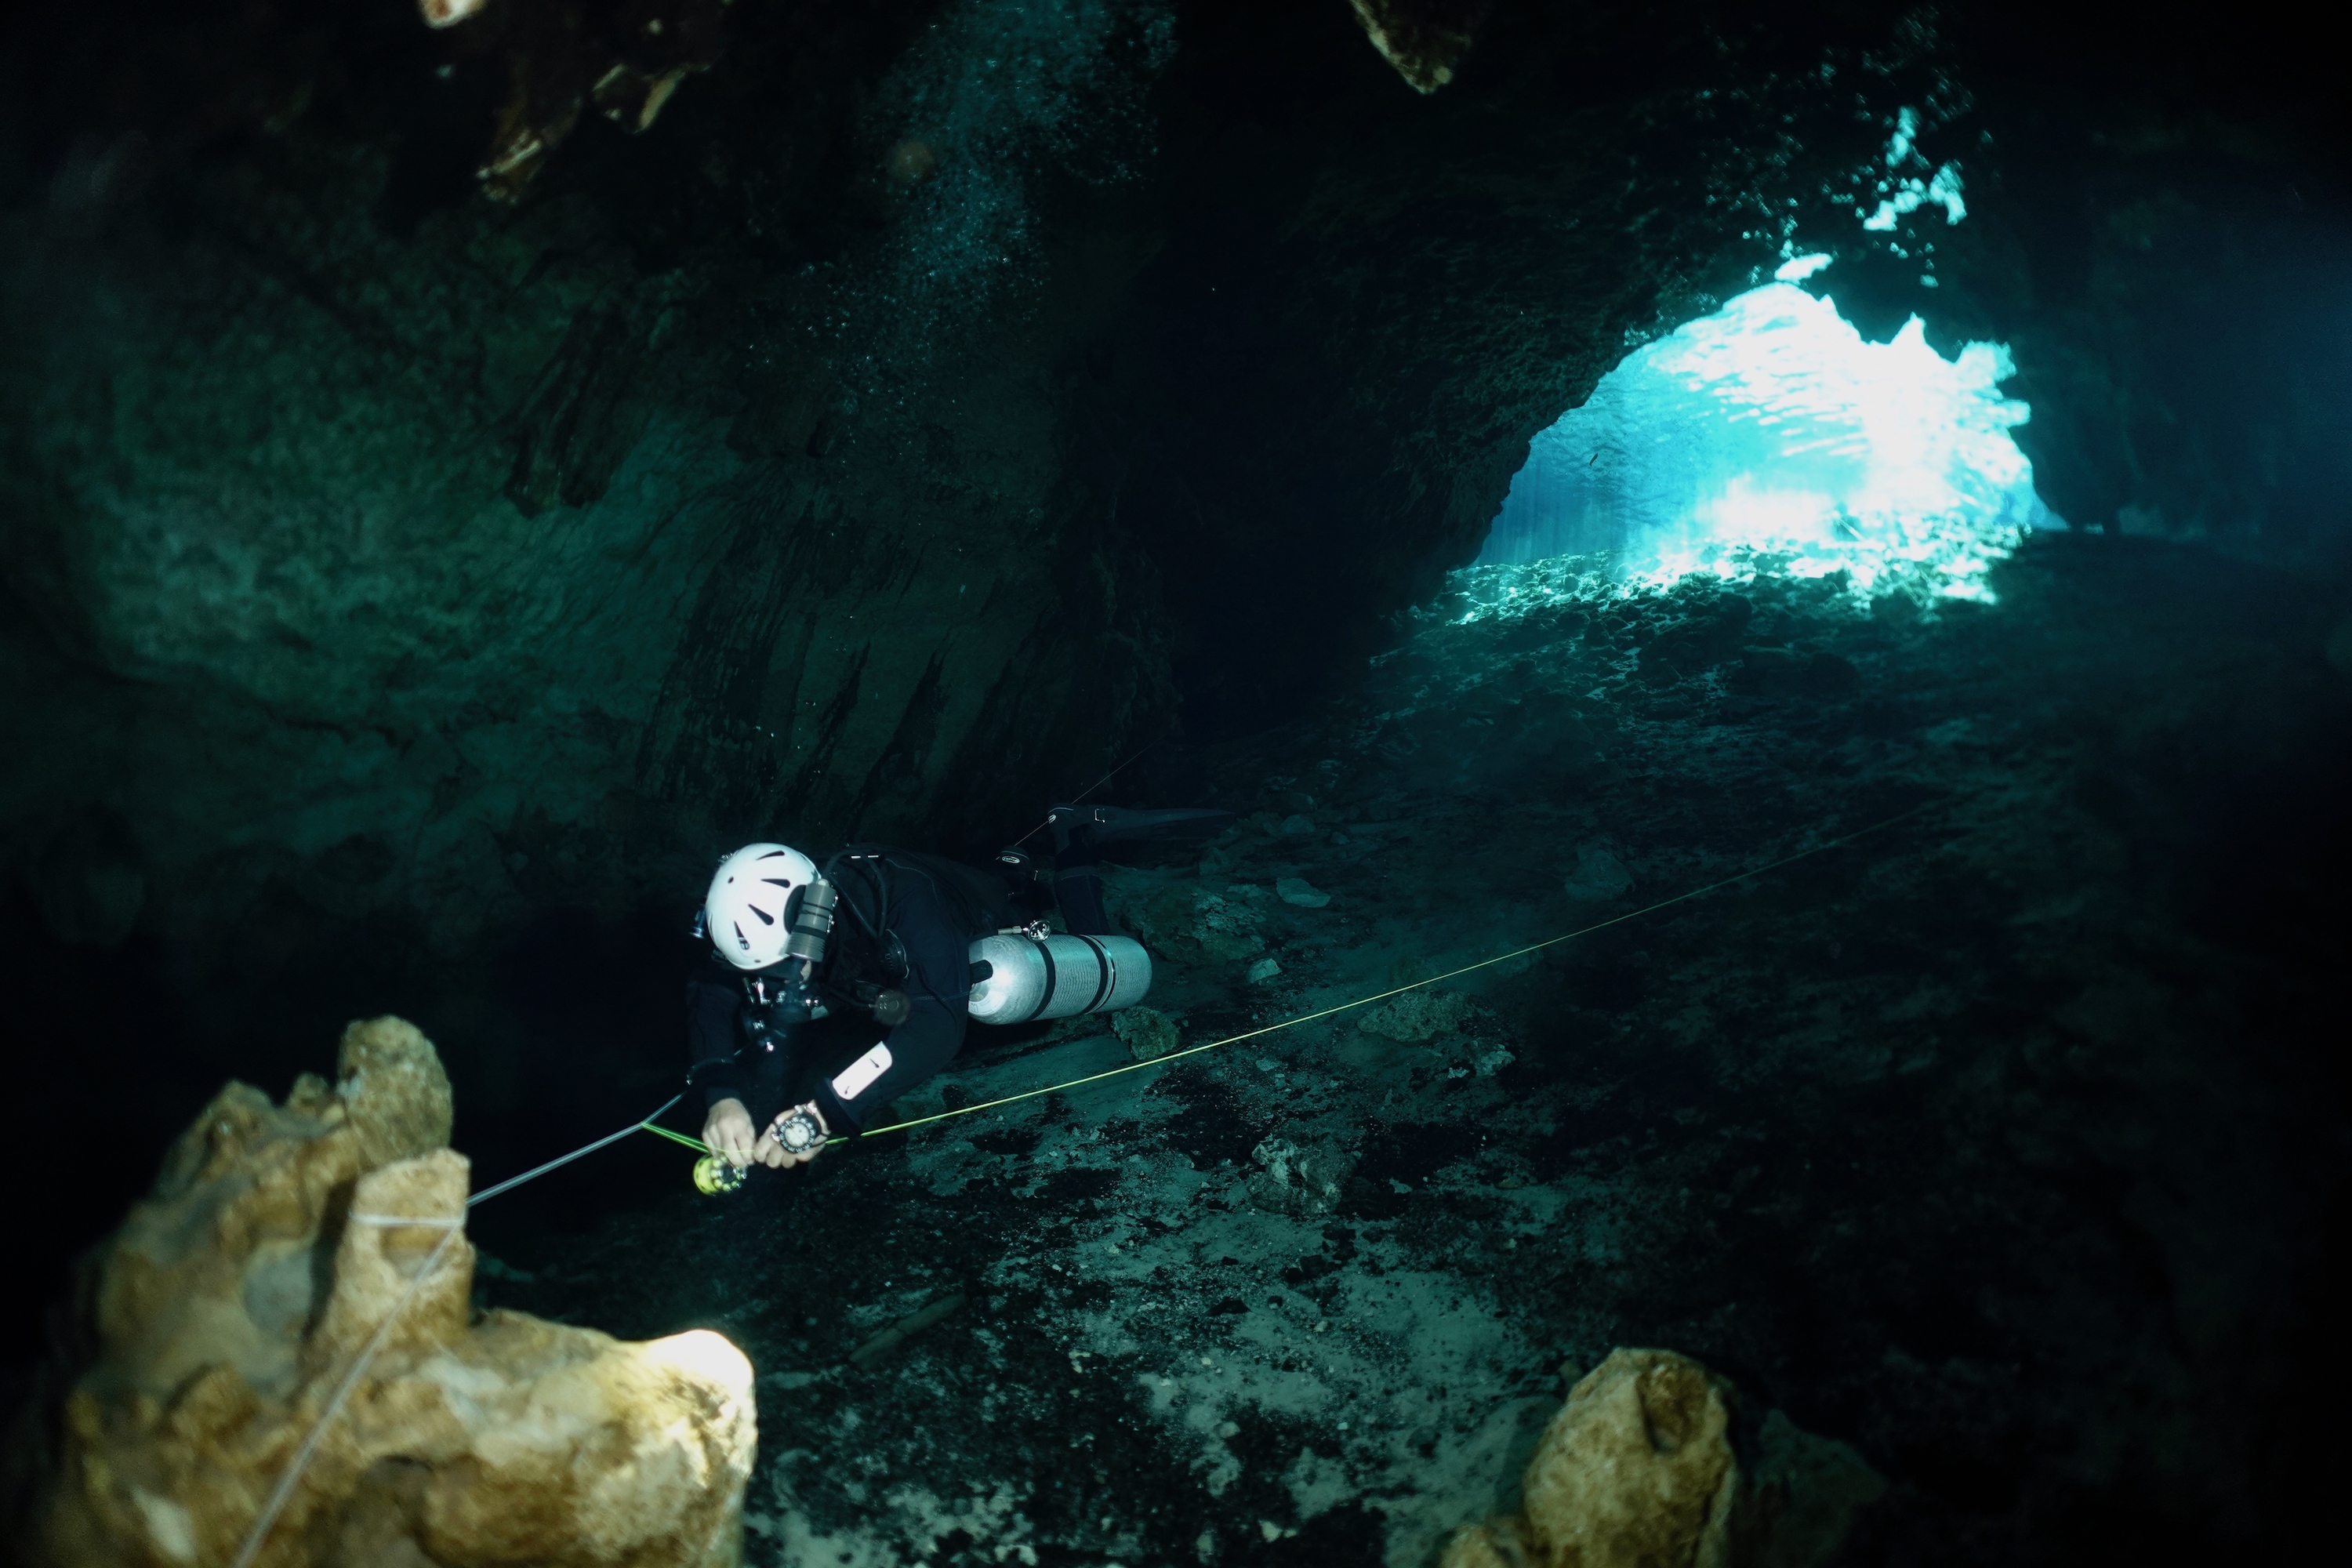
798,1131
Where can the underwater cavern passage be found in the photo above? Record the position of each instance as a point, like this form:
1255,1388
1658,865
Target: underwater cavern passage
1770,432
465,469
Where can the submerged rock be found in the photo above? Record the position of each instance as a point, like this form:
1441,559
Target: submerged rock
1189,924
1292,1179
1782,672
1600,878
1298,890
1804,1494
1149,1033
1419,1016
1638,1467
1424,39
293,1296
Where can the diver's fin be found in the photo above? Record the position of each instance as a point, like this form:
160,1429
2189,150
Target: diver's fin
1106,823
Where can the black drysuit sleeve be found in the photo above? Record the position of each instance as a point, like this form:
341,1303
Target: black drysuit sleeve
714,999
938,983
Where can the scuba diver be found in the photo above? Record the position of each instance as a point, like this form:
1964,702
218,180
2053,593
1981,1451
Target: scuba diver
920,943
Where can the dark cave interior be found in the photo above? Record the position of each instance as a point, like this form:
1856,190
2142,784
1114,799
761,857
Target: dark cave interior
440,519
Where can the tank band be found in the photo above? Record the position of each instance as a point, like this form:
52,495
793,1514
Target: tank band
1046,952
1109,973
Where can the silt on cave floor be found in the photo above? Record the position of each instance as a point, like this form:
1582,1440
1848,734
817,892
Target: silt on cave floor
1991,1144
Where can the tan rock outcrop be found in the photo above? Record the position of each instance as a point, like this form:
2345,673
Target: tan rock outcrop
1637,1470
282,1247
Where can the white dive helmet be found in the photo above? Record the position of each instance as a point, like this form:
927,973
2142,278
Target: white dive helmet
744,911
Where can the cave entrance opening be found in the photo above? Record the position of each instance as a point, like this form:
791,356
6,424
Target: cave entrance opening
1770,437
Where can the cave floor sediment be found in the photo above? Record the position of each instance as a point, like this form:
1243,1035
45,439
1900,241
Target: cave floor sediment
1990,1143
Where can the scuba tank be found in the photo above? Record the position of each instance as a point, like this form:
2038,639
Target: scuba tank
1020,977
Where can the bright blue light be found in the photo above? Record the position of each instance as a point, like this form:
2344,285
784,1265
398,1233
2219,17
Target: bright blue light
1770,436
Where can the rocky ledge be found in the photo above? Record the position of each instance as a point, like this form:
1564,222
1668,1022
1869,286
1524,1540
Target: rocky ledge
284,1367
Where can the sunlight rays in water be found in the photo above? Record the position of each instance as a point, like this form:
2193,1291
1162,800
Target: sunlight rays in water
1770,437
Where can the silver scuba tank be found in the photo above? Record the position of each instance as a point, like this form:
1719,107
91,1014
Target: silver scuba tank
1032,977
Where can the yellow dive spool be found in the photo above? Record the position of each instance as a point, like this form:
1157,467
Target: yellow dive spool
714,1175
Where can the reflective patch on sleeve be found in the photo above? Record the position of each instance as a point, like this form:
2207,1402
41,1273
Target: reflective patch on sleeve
859,1076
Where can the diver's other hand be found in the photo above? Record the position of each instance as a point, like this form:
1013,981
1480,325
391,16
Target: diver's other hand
727,1130
775,1156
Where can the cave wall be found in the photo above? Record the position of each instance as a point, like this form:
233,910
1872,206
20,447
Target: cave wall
882,441
1356,342
1360,341
404,593
2160,228
381,553
409,586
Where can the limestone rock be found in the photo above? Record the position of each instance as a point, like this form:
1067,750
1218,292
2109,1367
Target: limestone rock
392,1082
1149,1033
1780,672
1189,924
1804,1494
1600,877
1419,1016
1638,1469
1292,1179
281,1243
554,54
1298,890
1422,39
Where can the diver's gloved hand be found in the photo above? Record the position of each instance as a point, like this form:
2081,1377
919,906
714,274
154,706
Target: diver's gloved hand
727,1130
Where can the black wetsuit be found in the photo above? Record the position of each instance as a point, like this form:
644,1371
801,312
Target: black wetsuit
905,920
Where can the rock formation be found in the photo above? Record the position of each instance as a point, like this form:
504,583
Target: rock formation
1419,1016
301,1268
1422,39
1150,1033
560,60
1300,1180
1638,1468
